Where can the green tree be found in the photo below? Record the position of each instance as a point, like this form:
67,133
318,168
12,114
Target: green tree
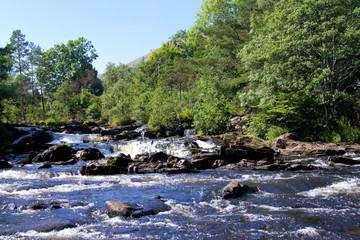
21,64
310,47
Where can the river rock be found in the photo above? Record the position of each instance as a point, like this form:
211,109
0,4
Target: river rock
114,209
121,209
58,153
89,154
121,160
288,145
5,164
127,135
54,224
97,168
234,190
234,154
36,140
333,160
204,160
158,157
45,165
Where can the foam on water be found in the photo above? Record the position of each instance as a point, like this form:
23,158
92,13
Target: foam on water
350,186
80,232
16,174
261,178
173,147
177,208
63,138
63,188
308,231
206,144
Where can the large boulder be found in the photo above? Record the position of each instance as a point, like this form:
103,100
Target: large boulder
88,154
58,153
234,190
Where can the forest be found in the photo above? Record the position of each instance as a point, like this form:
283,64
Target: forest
288,65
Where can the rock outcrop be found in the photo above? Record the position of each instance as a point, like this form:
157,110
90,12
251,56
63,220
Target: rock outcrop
288,145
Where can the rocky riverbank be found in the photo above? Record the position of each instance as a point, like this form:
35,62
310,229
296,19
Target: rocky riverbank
234,152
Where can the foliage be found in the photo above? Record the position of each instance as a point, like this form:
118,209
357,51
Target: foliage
211,111
292,65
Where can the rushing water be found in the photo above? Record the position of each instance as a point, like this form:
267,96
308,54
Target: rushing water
320,204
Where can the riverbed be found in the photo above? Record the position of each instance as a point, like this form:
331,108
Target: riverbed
59,203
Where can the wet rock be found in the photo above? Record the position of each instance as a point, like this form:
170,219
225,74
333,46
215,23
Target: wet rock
204,160
5,164
203,163
43,206
288,145
141,158
288,167
184,164
158,157
48,225
121,209
89,154
278,167
297,167
234,190
95,168
58,153
127,135
45,165
36,140
24,162
76,127
114,209
234,154
333,160
121,160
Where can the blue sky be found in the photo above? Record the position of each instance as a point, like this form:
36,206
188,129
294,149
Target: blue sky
120,30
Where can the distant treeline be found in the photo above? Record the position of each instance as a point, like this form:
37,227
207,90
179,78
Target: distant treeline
291,65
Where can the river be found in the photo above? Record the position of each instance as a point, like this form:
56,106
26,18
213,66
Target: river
318,204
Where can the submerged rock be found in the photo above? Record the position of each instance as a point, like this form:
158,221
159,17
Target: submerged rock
54,224
234,190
